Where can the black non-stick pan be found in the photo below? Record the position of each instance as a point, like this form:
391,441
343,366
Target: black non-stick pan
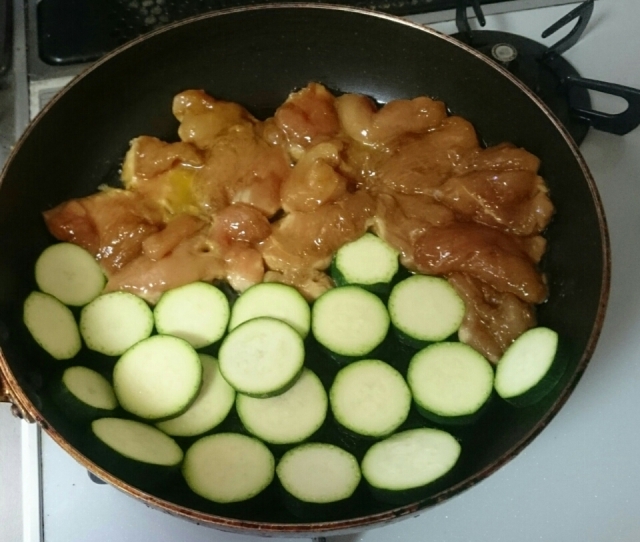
256,57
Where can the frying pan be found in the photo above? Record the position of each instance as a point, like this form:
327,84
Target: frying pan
257,56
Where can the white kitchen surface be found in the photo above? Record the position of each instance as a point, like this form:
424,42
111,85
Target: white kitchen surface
579,481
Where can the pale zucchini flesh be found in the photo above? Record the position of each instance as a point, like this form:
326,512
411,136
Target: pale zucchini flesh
138,441
289,417
450,381
52,325
370,398
349,321
69,273
368,261
90,387
425,309
196,312
319,473
112,323
228,467
261,357
410,459
158,378
279,301
529,368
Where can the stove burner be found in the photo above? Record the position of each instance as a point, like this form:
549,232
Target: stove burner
549,75
523,58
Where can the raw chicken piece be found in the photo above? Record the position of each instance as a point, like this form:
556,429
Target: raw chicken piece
502,157
420,164
307,118
111,225
362,121
308,240
489,255
513,200
203,119
401,219
314,180
192,260
239,222
492,320
159,244
241,168
148,157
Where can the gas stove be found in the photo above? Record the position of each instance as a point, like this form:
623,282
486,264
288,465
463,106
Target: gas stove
577,482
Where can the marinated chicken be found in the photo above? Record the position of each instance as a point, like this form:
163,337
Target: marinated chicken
245,201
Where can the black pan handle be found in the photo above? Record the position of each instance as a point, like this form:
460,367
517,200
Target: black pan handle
619,124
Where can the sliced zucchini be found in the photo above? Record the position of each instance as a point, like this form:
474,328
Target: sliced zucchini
276,300
228,467
69,273
319,473
134,451
425,309
369,262
158,378
52,325
112,323
262,357
405,464
210,408
530,367
349,321
196,312
289,417
450,382
370,398
84,394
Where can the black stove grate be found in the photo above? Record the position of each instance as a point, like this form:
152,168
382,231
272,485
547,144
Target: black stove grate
75,31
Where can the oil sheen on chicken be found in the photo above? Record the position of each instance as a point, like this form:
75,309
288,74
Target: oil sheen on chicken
246,200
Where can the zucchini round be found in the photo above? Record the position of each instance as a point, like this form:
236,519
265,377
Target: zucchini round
405,464
262,357
112,323
289,417
530,367
84,395
158,378
450,382
69,273
279,301
228,467
319,473
52,325
368,261
425,309
196,312
349,321
370,398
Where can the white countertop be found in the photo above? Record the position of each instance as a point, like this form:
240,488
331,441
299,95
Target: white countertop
578,481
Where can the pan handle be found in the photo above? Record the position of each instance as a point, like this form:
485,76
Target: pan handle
7,396
619,124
